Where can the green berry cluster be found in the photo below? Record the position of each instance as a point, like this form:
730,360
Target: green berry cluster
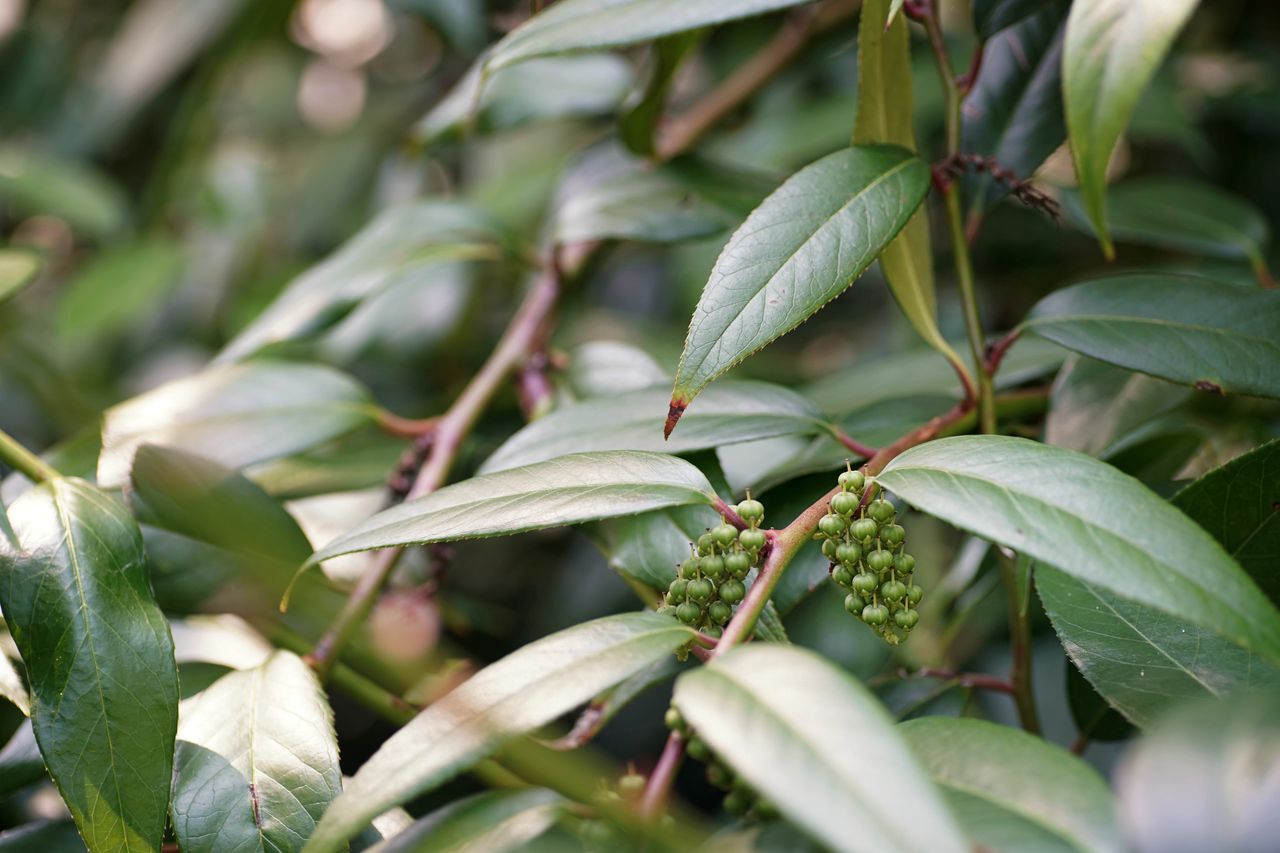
711,583
739,798
865,546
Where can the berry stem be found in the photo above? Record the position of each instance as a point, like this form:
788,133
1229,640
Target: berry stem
24,461
450,430
662,777
729,513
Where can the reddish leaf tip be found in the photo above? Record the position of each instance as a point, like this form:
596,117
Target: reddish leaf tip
674,411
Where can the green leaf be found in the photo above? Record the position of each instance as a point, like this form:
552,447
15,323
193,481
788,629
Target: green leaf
1014,110
728,413
99,659
1083,517
1239,505
53,836
1141,660
565,490
573,25
920,373
517,695
818,746
257,760
1183,215
20,761
649,546
1013,791
407,243
1093,405
1094,716
554,87
605,368
235,414
11,686
884,116
992,16
610,194
202,500
797,251
1205,779
1181,328
117,288
37,182
17,269
1112,50
638,123
495,821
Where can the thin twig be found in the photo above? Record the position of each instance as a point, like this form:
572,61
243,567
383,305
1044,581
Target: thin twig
24,461
663,776
996,352
972,680
866,451
1020,641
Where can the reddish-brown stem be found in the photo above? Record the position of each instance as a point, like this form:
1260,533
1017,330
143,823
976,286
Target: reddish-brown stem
450,429
996,352
974,680
729,512
966,80
866,451
662,777
405,427
680,133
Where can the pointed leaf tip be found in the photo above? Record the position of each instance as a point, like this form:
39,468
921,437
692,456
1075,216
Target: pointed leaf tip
674,412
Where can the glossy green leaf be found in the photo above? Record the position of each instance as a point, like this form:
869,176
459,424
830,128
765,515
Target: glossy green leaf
574,25
611,194
517,695
495,822
1183,215
1182,328
992,16
1094,716
20,761
818,746
1112,50
405,243
797,251
99,660
235,414
11,685
726,414
564,490
1014,110
638,124
649,546
1030,795
202,500
257,760
38,182
117,288
920,373
53,836
17,269
1141,660
1205,779
549,88
1093,405
1084,517
1239,504
884,116
605,368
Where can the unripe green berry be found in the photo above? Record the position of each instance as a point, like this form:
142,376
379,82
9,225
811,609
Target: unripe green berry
631,785
893,590
881,510
719,612
597,834
719,776
831,525
706,544
879,560
698,749
689,613
853,603
892,534
752,540
689,568
865,583
700,590
724,534
875,614
737,802
915,593
848,553
904,564
829,547
766,810
712,567
737,564
844,503
907,618
842,576
852,481
713,631
675,592
674,719
732,591
863,530
750,510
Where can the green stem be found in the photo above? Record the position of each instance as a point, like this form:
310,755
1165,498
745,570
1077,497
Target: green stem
1020,641
24,461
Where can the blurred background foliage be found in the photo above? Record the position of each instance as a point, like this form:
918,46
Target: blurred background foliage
167,167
